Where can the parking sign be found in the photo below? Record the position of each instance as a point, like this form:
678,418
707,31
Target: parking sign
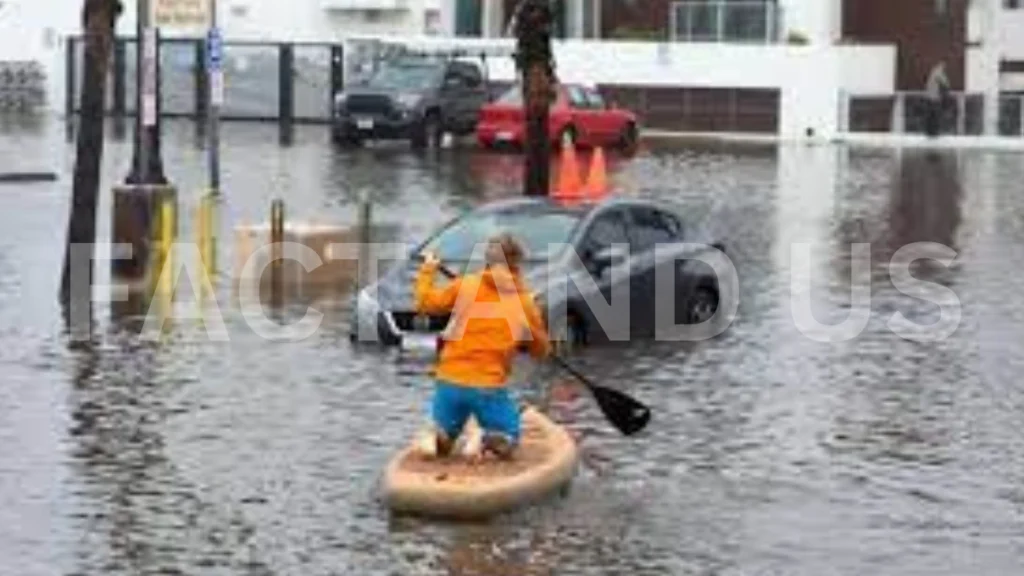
214,49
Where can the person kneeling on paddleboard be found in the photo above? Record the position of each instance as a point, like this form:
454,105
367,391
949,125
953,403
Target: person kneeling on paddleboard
492,316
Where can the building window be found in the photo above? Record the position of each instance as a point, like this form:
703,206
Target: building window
724,21
468,17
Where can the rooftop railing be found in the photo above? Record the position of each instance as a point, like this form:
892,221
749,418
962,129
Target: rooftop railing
742,21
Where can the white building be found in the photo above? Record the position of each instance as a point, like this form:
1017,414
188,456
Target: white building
817,54
36,29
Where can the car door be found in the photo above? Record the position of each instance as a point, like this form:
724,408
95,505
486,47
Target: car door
605,123
648,229
582,114
474,97
463,95
450,98
606,230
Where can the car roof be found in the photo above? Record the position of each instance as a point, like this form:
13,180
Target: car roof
583,207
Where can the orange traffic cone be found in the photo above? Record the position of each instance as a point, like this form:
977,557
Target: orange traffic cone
597,179
569,184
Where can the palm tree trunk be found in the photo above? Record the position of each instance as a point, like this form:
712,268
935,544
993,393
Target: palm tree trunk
98,19
536,67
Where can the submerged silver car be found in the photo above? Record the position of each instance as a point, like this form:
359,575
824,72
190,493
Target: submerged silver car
607,271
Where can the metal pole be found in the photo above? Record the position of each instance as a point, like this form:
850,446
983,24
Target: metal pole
146,110
214,49
719,21
147,166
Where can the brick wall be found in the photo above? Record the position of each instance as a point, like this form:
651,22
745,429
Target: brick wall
923,35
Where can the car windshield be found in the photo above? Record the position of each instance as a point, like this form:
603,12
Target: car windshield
514,96
406,75
541,232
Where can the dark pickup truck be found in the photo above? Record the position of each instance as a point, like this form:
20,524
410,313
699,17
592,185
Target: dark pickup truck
412,98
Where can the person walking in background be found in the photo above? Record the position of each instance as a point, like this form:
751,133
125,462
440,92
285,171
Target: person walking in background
937,91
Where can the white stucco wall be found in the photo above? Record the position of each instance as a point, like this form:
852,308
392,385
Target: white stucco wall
819,20
1011,34
1000,34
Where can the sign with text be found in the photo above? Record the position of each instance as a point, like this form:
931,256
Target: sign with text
214,49
149,87
181,14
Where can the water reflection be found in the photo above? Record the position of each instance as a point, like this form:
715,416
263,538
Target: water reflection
927,200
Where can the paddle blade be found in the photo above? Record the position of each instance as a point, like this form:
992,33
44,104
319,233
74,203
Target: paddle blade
623,411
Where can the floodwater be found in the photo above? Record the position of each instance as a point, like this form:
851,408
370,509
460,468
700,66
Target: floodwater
770,451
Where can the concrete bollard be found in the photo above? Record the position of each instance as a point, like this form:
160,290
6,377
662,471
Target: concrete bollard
139,220
287,279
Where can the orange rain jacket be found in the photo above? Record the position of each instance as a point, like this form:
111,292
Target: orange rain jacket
492,315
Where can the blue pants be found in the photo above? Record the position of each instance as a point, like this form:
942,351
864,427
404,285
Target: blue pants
494,409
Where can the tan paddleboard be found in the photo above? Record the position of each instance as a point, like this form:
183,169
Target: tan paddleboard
464,487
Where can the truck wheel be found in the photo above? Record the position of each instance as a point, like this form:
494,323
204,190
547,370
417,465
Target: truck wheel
348,141
430,132
629,139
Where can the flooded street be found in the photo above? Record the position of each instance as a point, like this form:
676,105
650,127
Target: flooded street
770,451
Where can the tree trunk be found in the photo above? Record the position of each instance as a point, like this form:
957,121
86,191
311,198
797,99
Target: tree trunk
98,19
536,68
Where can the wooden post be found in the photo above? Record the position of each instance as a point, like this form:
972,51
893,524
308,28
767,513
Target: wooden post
98,21
535,64
276,242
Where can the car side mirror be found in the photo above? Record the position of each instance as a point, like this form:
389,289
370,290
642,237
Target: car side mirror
605,258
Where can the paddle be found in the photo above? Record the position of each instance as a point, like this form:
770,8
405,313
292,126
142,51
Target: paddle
624,412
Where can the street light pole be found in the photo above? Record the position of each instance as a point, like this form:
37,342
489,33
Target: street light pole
147,165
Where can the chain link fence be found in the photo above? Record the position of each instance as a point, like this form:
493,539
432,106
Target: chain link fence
22,87
254,86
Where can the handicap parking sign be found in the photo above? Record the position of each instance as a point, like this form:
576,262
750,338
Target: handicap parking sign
214,49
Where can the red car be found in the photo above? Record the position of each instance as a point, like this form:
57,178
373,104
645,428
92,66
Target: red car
579,115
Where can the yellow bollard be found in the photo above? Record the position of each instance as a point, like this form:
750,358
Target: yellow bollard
209,236
201,242
166,241
165,286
